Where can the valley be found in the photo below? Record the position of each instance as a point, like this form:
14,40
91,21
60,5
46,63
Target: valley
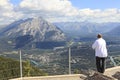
47,45
55,61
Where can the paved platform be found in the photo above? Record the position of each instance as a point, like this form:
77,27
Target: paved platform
55,77
111,71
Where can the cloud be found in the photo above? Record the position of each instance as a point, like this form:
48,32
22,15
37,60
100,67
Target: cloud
55,11
5,5
63,10
97,15
62,7
5,8
7,12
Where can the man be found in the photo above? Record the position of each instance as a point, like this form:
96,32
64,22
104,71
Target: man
100,52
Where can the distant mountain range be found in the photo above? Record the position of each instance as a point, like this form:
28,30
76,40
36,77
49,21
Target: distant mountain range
115,31
86,28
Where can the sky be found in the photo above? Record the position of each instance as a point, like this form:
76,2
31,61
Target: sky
96,4
60,10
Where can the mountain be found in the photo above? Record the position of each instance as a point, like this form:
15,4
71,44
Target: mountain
1,26
86,28
40,29
34,30
115,31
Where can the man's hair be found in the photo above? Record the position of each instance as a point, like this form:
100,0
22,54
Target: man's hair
99,36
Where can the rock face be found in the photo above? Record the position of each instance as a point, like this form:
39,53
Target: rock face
38,28
34,30
98,76
117,75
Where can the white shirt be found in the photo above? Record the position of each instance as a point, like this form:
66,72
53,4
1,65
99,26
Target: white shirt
100,48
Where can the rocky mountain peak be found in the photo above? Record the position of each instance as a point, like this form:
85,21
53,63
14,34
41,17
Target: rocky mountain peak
40,29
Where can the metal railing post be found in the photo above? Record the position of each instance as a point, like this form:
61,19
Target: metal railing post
69,60
20,65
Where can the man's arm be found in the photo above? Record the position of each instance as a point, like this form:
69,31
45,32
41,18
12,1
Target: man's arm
94,45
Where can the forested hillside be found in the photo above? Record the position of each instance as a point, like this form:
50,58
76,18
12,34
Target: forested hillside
9,68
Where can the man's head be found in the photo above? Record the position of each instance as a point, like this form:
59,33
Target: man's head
99,36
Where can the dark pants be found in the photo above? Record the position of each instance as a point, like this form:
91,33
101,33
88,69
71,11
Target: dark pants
100,64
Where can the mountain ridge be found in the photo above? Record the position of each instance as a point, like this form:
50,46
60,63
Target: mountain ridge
85,28
33,31
114,32
37,27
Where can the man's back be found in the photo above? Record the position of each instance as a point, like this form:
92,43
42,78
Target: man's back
100,48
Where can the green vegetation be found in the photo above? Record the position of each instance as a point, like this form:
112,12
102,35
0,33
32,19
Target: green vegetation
9,68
